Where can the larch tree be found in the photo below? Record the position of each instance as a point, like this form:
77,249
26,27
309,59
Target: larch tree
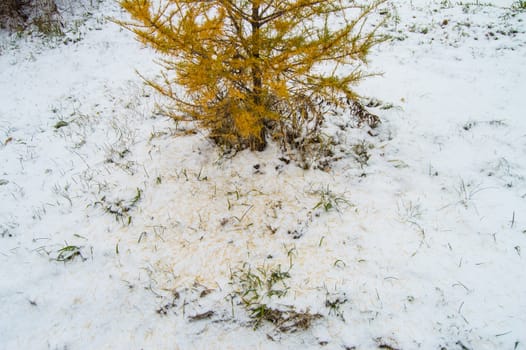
254,69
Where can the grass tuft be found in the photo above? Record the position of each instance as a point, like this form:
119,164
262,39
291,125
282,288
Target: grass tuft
329,200
519,5
69,253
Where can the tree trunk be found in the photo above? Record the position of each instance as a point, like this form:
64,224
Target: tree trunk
257,142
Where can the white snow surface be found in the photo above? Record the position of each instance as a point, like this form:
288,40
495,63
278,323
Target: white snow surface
424,248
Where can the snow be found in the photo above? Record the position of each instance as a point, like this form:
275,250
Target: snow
422,250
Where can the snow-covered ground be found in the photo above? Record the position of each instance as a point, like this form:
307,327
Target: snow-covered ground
121,230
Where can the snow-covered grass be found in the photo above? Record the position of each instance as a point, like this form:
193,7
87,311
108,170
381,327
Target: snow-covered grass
121,230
